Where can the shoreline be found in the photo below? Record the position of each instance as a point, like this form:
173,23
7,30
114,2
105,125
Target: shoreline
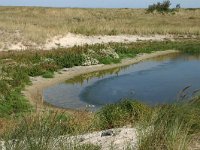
33,92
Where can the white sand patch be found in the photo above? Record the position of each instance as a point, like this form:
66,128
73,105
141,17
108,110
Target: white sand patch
121,139
71,40
18,46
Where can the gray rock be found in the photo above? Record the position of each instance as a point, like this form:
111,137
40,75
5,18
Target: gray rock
107,133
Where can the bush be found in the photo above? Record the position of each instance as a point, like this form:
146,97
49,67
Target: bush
160,7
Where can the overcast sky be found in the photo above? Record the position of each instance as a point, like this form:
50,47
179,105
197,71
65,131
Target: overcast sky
97,3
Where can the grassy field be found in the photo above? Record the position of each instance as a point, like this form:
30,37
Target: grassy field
29,24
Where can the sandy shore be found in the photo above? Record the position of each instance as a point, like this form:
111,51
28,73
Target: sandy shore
34,92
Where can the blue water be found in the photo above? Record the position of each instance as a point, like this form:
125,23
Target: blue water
154,81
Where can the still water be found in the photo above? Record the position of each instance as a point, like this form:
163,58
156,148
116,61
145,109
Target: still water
154,81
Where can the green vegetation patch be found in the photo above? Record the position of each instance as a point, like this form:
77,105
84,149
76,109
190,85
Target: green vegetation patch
48,74
122,113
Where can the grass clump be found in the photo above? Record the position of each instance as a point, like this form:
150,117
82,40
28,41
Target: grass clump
48,74
122,113
14,104
45,131
171,126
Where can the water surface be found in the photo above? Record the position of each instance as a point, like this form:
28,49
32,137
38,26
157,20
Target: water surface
153,81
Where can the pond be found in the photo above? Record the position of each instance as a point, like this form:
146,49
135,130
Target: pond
154,81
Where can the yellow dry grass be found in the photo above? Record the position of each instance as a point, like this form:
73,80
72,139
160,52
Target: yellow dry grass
31,24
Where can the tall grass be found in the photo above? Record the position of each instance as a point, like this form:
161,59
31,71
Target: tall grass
35,25
172,127
46,131
167,127
164,127
121,114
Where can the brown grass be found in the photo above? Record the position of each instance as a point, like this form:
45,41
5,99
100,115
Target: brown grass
31,24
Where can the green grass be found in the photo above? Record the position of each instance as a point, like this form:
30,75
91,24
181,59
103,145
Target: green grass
171,127
121,114
48,74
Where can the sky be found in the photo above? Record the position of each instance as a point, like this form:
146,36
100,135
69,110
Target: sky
97,3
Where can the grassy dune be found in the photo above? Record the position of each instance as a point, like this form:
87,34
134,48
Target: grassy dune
31,24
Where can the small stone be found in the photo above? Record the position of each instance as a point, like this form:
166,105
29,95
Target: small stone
107,133
65,69
82,139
